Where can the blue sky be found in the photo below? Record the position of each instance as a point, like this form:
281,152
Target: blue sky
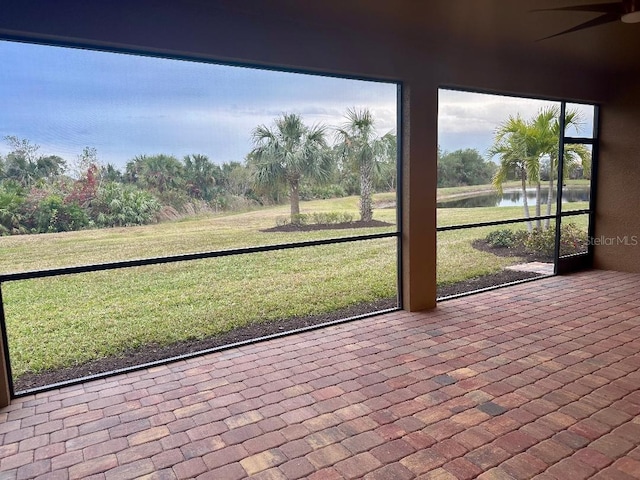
65,99
469,120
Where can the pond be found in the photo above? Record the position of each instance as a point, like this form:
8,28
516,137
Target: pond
514,198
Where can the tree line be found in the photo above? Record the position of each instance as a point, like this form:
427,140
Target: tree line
289,160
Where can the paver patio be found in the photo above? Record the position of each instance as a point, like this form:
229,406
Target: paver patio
538,380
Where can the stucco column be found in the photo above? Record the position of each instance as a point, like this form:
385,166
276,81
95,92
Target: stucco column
617,221
419,164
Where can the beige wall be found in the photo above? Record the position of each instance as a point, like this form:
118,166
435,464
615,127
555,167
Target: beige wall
618,199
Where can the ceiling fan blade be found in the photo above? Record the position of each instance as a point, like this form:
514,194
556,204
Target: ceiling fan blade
601,20
595,7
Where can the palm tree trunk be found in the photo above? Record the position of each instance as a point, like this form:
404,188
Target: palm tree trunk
525,202
366,186
549,200
294,198
552,169
538,200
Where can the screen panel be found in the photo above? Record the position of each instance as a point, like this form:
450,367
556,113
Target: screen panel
110,156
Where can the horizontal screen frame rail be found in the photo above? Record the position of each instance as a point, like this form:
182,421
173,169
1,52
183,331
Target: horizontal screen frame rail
571,213
98,267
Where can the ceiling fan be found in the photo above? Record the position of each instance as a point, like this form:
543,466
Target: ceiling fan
627,11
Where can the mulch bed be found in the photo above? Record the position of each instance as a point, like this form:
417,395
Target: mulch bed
515,251
486,281
153,352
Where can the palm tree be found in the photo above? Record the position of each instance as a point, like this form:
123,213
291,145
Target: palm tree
546,128
199,173
361,148
529,142
289,152
11,199
159,172
513,145
50,166
110,173
20,169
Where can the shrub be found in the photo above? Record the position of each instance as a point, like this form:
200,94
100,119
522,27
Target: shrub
318,218
282,221
322,192
118,206
329,218
11,203
54,215
501,238
174,198
325,218
519,237
346,217
572,239
542,241
300,219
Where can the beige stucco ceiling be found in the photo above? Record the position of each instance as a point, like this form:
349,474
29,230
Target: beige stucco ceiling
508,28
511,26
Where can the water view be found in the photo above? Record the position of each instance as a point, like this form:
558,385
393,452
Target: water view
514,198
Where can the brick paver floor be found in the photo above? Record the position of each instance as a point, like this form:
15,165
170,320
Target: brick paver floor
536,380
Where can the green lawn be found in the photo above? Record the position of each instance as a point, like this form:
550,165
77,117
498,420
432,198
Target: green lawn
205,233
67,320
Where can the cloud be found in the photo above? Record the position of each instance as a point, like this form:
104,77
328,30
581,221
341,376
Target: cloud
469,120
124,105
65,99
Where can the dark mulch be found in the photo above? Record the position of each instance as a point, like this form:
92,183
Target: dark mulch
515,251
327,226
505,276
153,352
486,281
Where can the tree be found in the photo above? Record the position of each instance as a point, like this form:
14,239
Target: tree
21,147
110,173
81,164
546,128
12,198
522,147
200,176
464,167
512,144
287,153
24,165
18,168
362,149
387,179
20,164
50,167
236,178
158,172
